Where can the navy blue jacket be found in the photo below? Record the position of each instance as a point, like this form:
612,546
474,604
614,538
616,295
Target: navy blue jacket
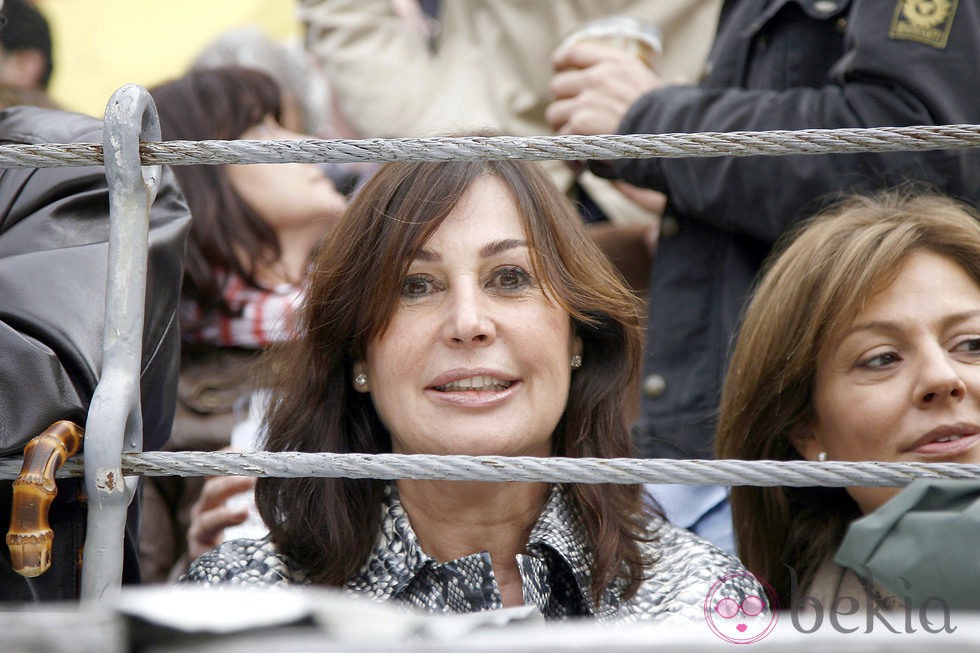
782,64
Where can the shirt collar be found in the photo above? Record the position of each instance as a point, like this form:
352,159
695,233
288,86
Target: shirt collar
397,558
560,529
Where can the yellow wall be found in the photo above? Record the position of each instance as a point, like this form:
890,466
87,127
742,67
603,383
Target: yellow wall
99,45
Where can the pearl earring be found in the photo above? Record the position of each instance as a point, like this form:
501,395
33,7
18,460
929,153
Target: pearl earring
822,457
576,362
360,380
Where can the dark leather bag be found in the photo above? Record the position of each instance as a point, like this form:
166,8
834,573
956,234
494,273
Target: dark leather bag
53,257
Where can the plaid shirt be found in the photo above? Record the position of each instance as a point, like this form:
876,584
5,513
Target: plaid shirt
260,316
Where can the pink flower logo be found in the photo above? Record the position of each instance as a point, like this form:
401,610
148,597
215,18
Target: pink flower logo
737,617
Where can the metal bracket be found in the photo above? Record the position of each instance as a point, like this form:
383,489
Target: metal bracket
114,421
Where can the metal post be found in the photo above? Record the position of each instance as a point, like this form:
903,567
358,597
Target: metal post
114,420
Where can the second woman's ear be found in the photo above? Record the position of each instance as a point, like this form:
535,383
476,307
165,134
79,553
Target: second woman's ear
361,381
805,441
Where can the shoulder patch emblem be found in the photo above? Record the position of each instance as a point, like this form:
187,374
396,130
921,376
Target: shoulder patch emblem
925,21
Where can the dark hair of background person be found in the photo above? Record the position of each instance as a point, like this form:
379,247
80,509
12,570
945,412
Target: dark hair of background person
218,103
24,27
809,296
329,526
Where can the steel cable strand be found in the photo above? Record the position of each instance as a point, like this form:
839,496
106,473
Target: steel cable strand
501,468
50,155
677,145
585,147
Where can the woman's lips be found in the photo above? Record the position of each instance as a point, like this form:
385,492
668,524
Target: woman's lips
471,375
947,441
473,388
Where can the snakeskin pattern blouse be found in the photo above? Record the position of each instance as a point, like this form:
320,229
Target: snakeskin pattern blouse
555,570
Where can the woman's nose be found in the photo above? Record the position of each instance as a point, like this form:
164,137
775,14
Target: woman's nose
939,380
468,320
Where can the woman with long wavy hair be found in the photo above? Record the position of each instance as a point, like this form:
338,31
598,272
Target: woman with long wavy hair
461,308
862,342
253,231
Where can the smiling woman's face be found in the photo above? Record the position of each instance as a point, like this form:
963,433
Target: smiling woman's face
476,359
903,383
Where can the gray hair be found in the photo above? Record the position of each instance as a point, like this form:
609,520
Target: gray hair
287,63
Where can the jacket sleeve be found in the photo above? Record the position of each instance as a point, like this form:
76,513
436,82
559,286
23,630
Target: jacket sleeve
385,78
879,81
53,257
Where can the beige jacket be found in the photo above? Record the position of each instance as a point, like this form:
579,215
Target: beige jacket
833,583
490,67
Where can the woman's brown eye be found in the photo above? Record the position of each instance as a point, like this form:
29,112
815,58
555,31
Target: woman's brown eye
881,361
512,278
416,286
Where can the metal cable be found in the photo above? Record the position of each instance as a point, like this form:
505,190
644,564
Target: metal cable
633,146
763,473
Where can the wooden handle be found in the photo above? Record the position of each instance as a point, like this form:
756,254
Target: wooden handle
30,536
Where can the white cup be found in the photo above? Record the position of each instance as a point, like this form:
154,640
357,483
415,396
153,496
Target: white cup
628,33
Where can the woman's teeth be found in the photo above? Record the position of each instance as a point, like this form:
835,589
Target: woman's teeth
949,438
475,383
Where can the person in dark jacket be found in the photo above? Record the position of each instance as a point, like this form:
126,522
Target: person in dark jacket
54,231
775,64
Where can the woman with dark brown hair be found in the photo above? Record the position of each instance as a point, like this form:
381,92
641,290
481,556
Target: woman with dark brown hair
461,308
862,342
254,225
253,230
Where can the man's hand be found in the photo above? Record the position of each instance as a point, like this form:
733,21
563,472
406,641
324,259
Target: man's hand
594,87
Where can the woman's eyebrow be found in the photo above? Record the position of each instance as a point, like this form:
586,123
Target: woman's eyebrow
956,318
427,256
877,325
883,325
488,250
498,246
